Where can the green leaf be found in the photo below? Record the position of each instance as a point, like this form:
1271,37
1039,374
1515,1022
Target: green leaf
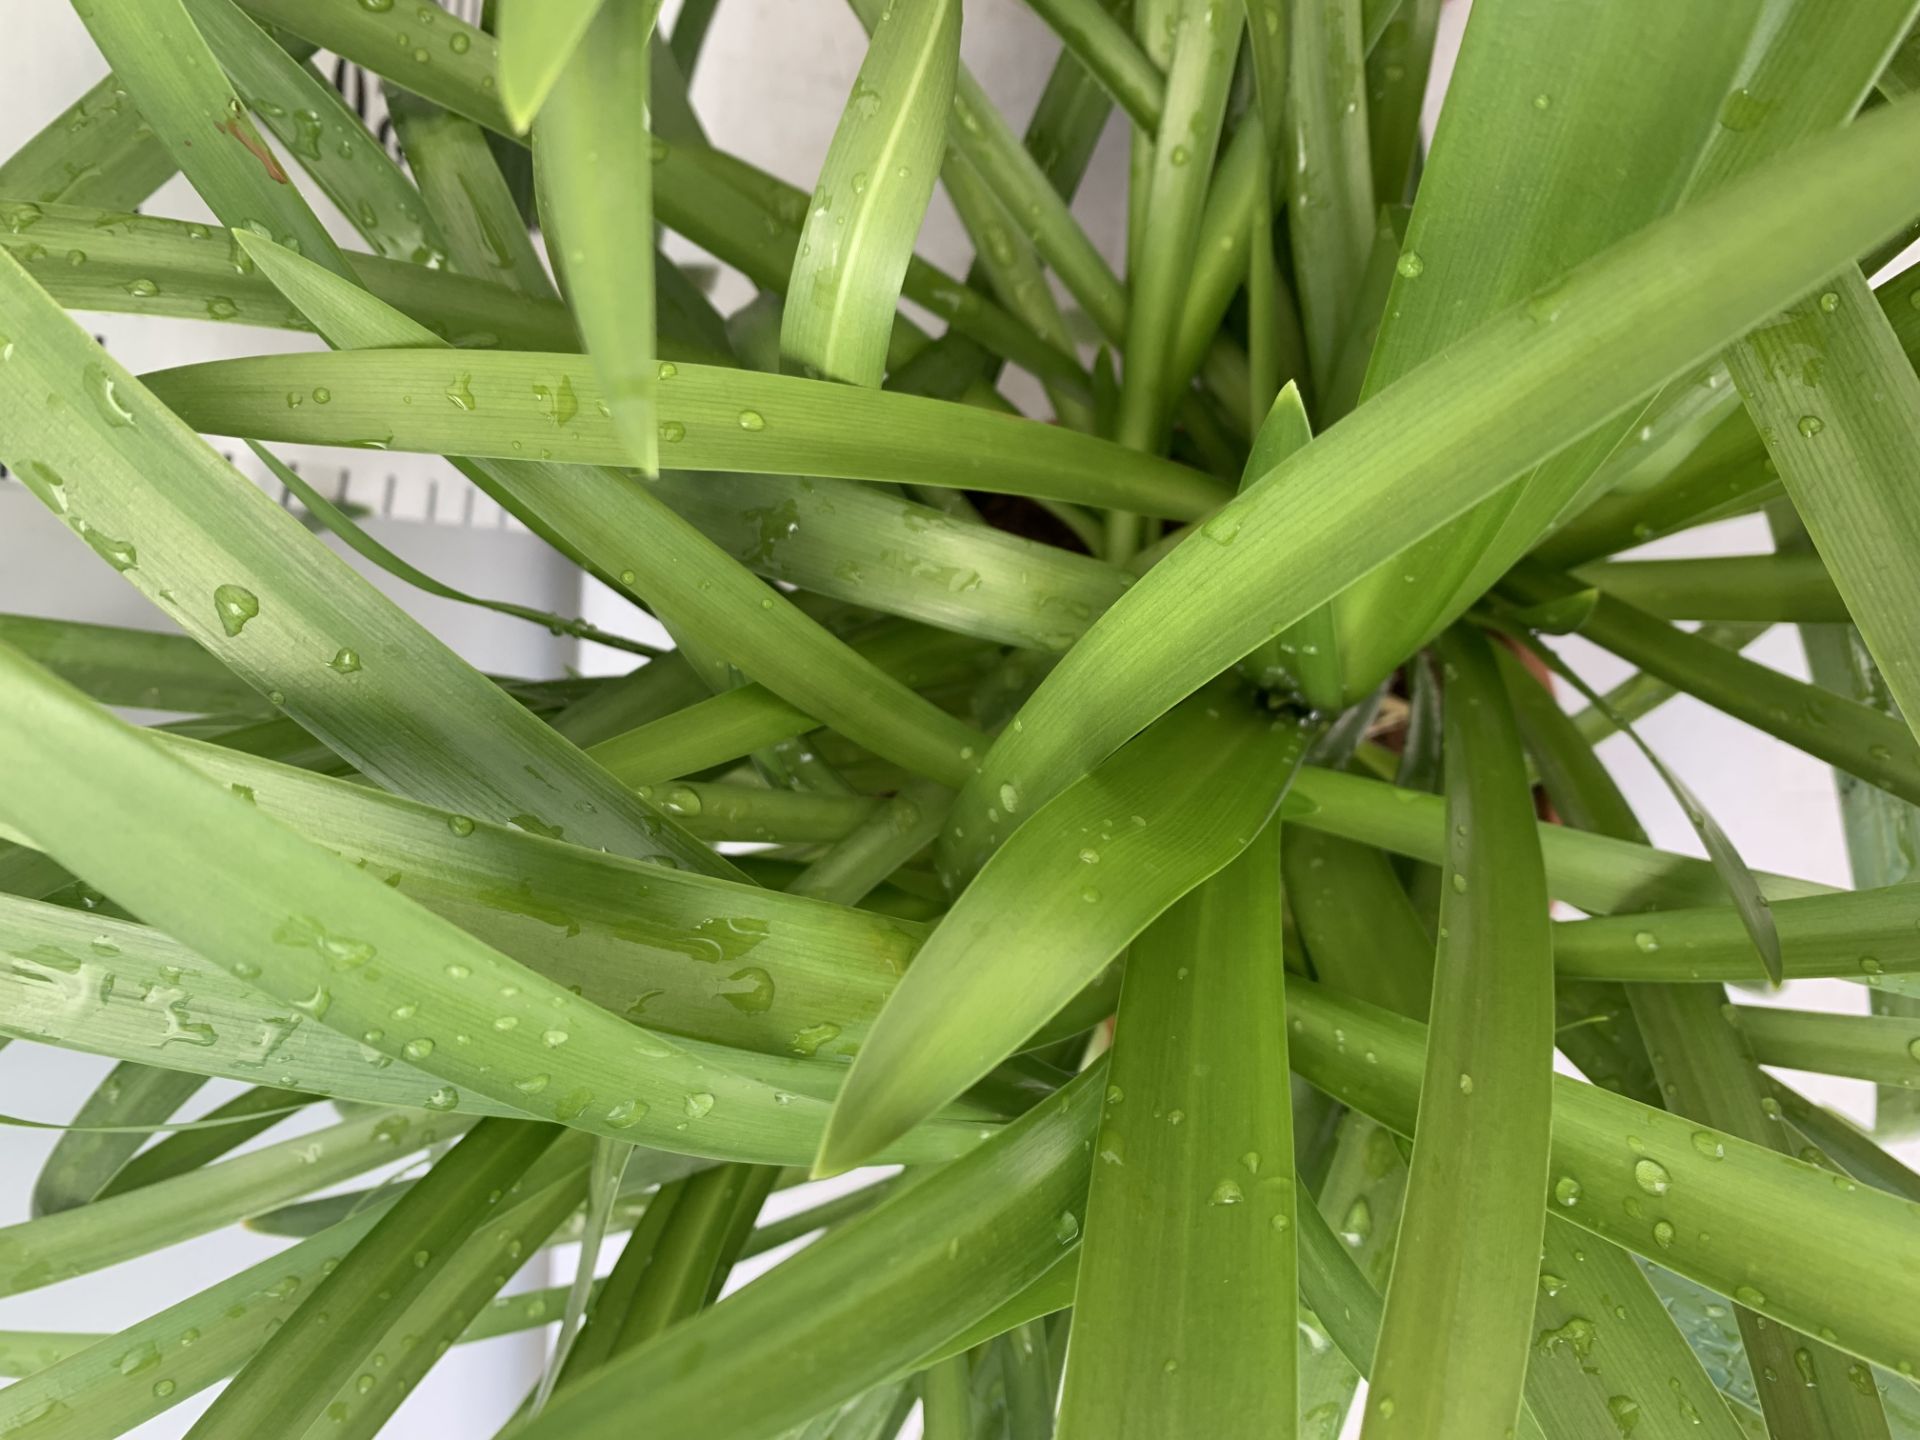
1101,43
231,1125
115,1382
1329,187
309,117
174,77
1414,456
325,1341
441,58
144,265
1742,887
84,1160
721,420
1747,588
100,151
292,620
368,548
332,941
143,668
74,1242
656,555
1193,1196
1207,42
1095,866
1775,1234
453,1306
866,1302
1865,742
537,39
1453,1337
1597,873
463,189
871,195
596,169
1506,204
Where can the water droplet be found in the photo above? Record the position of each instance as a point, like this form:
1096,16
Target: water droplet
757,997
1542,102
752,420
461,825
1223,528
809,1038
1227,1192
558,402
1742,111
672,431
106,397
1459,883
143,288
1749,1296
699,1105
1357,1224
1663,1234
460,392
1409,265
1651,1176
418,1049
1090,894
443,1098
120,554
235,605
1566,1190
1708,1144
1625,1411
344,661
459,43
1466,1083
1646,941
162,1388
1067,1228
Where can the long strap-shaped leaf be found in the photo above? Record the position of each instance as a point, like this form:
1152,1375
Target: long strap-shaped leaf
466,194
1826,382
1193,1197
1092,869
1453,1339
872,192
309,117
534,406
247,580
596,171
197,272
306,1361
867,1302
74,1242
331,940
85,1159
122,1379
1329,186
177,82
1705,1069
1597,873
1507,203
1778,1235
1413,456
1865,742
100,150
434,53
1208,40
537,39
624,532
